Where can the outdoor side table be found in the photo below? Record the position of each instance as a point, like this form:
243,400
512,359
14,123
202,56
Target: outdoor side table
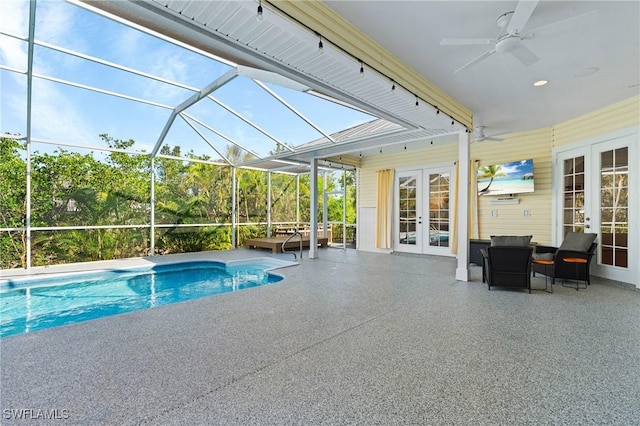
576,261
546,264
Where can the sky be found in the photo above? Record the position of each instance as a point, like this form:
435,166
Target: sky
65,114
513,170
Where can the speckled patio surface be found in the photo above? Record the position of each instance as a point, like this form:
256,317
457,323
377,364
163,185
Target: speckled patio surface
349,338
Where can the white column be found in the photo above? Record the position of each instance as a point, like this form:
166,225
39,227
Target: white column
234,225
462,270
268,204
313,232
152,213
325,204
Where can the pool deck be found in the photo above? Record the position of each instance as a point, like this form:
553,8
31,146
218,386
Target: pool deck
349,338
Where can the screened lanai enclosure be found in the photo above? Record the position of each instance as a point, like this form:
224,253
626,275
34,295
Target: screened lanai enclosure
123,140
149,149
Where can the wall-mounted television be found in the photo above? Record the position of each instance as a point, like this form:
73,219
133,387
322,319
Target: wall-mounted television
506,179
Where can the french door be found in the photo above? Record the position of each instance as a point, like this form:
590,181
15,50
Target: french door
594,196
422,217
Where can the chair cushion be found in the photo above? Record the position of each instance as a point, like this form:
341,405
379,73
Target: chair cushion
543,256
578,241
511,240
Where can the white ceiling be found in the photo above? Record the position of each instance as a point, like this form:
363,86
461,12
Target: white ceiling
499,90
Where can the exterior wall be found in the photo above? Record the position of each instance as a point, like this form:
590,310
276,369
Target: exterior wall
511,219
411,157
536,144
367,181
614,117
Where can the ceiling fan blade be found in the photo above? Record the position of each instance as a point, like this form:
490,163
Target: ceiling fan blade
521,16
564,25
465,41
486,138
482,57
524,55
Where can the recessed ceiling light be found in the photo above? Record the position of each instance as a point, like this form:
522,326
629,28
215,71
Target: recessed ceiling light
540,83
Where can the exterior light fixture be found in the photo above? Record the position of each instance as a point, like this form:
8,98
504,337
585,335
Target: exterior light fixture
320,46
540,83
259,17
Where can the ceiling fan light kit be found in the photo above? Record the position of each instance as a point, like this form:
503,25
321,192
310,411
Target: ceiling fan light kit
507,44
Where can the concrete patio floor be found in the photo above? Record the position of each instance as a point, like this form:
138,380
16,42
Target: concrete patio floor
349,338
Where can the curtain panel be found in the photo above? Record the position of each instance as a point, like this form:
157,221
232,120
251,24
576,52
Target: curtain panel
384,209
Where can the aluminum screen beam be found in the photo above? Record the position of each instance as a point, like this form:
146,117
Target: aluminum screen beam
196,97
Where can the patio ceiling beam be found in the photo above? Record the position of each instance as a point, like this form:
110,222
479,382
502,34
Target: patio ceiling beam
295,111
357,144
204,92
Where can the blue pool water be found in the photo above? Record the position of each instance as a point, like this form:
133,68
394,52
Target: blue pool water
36,304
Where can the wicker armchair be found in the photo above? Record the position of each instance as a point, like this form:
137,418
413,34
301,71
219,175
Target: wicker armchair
507,266
575,245
564,270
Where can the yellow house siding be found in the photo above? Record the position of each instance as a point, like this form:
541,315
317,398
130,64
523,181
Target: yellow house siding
411,157
532,216
536,144
617,116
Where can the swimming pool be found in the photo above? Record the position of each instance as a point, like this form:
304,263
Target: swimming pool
35,304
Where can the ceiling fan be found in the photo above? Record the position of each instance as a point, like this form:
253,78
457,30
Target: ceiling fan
478,135
510,37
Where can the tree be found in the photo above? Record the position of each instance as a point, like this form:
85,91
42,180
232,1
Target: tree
13,192
490,172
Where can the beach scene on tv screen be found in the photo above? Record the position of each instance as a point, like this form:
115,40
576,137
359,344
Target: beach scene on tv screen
507,178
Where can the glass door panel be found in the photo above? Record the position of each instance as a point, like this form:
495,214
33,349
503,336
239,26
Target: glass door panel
408,217
614,207
574,191
439,209
423,218
594,196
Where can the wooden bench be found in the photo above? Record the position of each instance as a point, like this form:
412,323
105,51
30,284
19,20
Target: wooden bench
275,243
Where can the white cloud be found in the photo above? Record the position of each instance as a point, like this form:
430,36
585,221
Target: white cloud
57,117
56,24
18,11
13,52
